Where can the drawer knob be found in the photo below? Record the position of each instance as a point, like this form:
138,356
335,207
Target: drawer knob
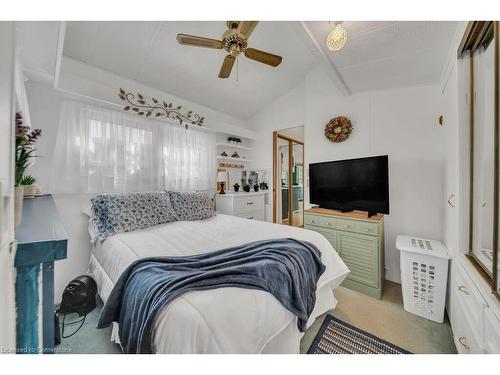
463,289
251,217
249,203
463,341
367,229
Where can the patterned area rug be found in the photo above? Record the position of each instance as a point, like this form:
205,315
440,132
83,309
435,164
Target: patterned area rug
338,337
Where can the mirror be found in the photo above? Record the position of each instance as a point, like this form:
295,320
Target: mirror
478,52
297,185
283,183
288,181
483,151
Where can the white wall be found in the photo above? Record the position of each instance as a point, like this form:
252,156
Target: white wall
285,112
7,273
45,108
401,123
84,79
451,183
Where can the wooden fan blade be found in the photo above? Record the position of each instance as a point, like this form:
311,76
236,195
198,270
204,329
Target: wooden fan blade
245,28
198,41
263,57
226,67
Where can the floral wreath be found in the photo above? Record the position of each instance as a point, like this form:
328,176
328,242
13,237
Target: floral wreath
338,129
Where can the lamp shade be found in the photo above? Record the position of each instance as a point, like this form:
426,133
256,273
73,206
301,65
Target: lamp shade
337,38
221,176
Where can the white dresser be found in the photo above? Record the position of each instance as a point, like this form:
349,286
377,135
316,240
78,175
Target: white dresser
474,312
248,205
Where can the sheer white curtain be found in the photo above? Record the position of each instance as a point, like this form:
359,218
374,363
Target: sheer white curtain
99,150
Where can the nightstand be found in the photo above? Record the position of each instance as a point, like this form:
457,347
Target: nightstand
248,205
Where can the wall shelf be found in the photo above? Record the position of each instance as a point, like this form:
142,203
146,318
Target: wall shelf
227,158
233,145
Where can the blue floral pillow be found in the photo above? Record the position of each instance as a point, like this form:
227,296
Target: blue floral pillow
192,206
124,212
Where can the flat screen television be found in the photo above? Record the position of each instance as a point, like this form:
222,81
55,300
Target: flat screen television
354,184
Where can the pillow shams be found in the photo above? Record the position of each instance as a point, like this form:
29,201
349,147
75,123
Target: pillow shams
124,212
191,205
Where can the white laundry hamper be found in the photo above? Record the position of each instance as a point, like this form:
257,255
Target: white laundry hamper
424,275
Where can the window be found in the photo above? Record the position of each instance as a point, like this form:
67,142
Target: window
105,151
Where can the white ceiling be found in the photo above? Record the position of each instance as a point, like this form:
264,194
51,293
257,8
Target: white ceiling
149,53
380,54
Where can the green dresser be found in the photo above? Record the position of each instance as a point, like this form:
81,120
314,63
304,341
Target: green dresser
359,240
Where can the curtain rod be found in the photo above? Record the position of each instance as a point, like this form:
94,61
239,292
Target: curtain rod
171,123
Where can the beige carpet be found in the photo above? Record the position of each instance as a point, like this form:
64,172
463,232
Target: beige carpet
388,320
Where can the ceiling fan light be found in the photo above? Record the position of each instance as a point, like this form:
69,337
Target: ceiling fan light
337,38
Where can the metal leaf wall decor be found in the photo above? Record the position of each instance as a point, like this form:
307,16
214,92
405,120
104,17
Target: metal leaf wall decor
145,106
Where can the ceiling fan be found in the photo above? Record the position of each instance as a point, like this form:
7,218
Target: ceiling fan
234,41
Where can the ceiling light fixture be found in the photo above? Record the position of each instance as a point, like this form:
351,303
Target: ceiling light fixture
337,38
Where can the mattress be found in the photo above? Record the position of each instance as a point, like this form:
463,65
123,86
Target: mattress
225,320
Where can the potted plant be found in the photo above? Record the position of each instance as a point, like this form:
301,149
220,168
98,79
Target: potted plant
236,187
29,187
25,139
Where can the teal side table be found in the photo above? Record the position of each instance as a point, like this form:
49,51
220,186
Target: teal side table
42,240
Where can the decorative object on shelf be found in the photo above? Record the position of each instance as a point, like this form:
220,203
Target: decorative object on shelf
222,178
246,188
30,188
263,186
338,129
25,140
234,140
229,165
224,154
256,188
235,155
145,106
236,187
337,38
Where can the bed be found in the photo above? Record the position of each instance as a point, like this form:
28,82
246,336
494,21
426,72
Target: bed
225,320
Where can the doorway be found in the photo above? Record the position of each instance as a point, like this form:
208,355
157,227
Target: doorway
288,180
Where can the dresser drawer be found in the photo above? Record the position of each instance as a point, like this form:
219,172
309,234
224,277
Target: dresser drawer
320,221
247,204
311,220
491,332
467,295
464,334
255,215
367,228
348,225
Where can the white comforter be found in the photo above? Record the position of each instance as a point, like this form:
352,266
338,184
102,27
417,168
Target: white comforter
226,320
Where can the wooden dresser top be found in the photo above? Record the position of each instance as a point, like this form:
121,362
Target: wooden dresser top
362,215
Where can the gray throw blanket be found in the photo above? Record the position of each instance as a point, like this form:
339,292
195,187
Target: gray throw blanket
287,268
